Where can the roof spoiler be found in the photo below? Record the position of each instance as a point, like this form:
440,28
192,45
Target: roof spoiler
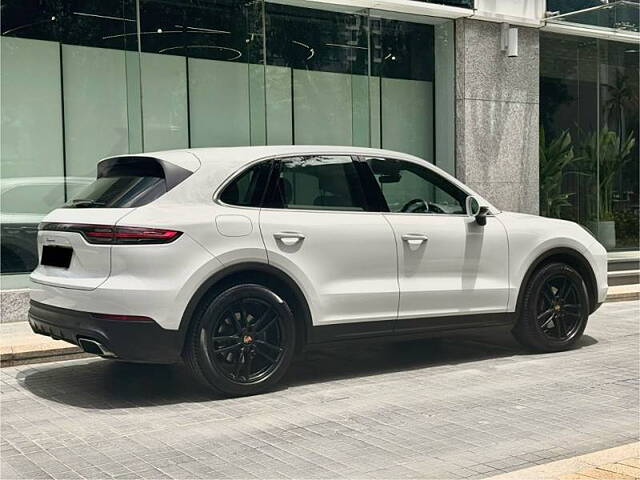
139,166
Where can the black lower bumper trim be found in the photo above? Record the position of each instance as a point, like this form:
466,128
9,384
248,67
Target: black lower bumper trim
134,341
596,307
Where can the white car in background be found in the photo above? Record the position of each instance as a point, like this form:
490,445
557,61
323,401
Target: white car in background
235,258
23,204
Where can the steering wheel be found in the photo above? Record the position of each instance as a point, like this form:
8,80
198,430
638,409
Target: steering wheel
417,205
433,208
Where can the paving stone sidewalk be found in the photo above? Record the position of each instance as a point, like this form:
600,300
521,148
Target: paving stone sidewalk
460,408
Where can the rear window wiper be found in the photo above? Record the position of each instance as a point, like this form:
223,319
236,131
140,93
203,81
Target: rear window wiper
86,202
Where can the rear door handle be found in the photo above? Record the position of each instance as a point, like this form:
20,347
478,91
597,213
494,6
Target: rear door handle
289,238
414,238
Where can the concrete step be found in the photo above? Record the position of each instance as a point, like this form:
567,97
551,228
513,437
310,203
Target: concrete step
623,277
616,265
627,260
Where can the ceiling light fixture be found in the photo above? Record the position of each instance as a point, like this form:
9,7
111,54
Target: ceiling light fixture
27,25
345,46
238,53
313,52
108,37
204,30
106,17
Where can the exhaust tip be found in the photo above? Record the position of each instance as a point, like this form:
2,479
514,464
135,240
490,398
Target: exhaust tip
94,347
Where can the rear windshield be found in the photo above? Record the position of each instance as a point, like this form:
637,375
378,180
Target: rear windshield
119,192
128,182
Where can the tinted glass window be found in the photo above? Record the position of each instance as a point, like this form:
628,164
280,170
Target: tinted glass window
247,190
410,188
122,191
318,183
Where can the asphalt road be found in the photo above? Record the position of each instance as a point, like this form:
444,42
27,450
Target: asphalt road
456,408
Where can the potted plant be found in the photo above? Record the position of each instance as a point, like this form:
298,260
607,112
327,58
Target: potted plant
605,154
555,157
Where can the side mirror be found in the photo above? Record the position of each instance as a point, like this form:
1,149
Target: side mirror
472,206
475,210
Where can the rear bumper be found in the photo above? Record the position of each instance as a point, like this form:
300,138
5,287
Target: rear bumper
134,341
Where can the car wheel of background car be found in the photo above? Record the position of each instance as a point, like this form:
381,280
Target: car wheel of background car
555,309
242,341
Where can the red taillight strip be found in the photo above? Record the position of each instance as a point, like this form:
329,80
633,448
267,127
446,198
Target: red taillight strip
108,235
147,233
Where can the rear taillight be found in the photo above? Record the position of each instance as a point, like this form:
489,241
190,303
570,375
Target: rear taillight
107,235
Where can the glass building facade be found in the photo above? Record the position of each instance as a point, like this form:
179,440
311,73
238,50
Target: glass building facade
81,80
589,153
86,79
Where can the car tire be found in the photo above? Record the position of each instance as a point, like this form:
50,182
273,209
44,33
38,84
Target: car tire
242,341
555,309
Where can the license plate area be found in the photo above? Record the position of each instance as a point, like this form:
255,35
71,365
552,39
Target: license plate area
55,256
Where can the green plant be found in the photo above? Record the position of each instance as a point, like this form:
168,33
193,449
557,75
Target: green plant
555,157
621,96
605,154
627,228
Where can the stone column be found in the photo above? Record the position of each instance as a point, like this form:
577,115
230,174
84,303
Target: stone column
497,115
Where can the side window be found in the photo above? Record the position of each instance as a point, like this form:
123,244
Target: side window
247,190
318,183
410,188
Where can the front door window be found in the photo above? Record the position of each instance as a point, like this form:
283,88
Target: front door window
410,188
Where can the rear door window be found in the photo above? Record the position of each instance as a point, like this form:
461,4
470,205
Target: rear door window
327,182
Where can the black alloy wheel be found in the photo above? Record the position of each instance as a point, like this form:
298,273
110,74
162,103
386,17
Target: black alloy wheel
242,341
554,310
246,342
560,308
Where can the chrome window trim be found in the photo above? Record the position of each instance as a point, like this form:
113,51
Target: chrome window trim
244,168
354,155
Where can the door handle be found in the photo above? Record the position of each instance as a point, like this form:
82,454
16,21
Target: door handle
289,238
414,238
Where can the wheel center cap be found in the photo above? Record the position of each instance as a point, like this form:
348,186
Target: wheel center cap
247,339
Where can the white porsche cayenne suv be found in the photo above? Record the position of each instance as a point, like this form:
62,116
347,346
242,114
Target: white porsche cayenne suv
233,259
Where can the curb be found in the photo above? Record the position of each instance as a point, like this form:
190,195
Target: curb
623,293
25,354
623,296
604,464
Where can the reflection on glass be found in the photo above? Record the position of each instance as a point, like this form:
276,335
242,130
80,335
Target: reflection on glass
80,81
317,75
404,64
24,202
589,151
65,105
620,15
